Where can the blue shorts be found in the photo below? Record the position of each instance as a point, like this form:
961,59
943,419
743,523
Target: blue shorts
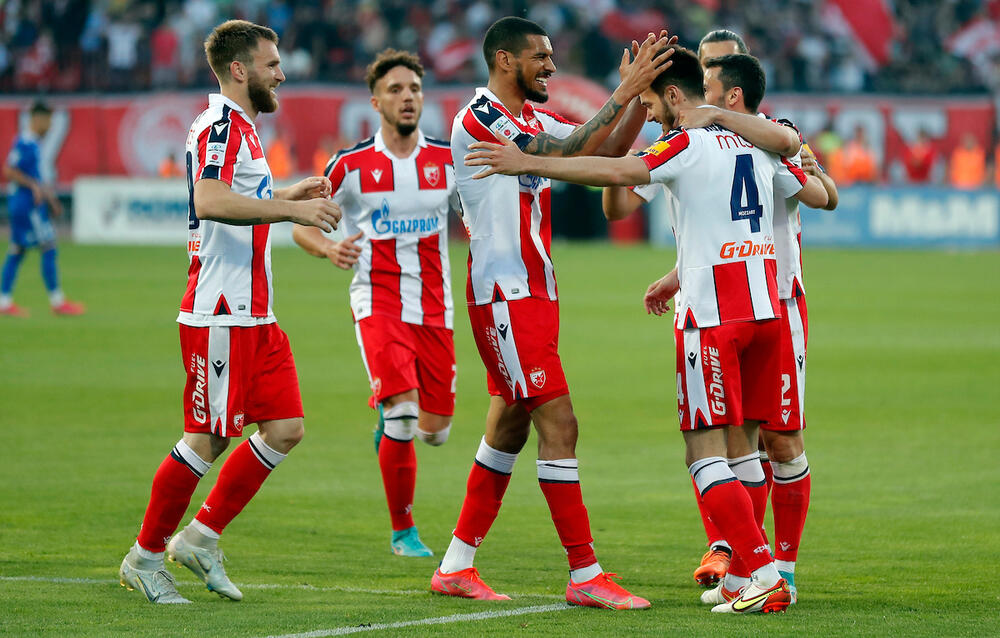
32,227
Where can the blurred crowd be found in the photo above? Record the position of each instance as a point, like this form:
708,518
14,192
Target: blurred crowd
138,45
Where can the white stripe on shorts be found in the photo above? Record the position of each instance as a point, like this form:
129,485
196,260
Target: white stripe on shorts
694,376
798,350
218,378
507,348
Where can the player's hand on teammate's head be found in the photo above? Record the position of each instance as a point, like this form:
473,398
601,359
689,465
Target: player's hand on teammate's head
345,253
505,158
640,66
697,117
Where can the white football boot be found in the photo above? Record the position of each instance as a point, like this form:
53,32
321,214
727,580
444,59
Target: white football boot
206,563
151,578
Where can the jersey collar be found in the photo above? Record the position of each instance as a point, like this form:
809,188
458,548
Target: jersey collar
215,99
380,143
527,110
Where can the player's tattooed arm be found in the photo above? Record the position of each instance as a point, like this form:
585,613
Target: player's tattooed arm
638,68
583,140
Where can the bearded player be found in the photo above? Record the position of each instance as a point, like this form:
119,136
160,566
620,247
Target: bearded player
513,303
396,190
238,362
726,330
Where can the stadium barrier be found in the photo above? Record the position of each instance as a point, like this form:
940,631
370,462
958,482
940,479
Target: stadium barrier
901,216
126,210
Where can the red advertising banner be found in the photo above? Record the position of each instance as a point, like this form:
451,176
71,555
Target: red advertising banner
131,135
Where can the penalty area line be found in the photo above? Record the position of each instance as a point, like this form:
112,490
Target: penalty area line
440,620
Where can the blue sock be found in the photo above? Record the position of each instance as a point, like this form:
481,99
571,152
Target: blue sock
49,272
9,276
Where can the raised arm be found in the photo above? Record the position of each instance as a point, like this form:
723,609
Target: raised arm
759,131
214,200
651,58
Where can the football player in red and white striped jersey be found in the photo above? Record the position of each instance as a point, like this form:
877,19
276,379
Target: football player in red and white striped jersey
239,365
726,333
396,190
513,303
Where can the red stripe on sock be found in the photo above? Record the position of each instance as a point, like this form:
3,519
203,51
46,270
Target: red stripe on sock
731,509
791,504
572,523
398,463
173,485
239,479
483,496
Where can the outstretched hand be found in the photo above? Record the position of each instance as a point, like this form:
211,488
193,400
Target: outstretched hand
640,66
310,188
504,158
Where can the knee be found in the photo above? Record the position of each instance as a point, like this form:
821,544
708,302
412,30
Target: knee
782,447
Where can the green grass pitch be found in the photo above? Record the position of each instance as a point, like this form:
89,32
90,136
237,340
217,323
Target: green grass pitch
903,536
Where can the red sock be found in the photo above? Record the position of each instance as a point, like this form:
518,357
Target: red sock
398,463
758,497
173,485
239,479
731,509
483,496
768,473
572,523
711,531
791,503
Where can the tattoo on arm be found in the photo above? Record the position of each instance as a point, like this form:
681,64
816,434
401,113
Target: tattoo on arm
545,144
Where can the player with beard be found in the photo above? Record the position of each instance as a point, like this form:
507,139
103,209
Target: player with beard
726,328
239,365
513,306
396,190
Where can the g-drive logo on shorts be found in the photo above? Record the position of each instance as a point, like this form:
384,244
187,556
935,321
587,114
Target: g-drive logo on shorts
716,390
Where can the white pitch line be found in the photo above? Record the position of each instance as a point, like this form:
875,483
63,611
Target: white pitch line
347,590
440,620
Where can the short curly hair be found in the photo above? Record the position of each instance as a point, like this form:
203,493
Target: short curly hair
389,59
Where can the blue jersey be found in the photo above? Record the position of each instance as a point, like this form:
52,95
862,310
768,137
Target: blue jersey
26,156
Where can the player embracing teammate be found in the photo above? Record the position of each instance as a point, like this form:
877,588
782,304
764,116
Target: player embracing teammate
513,303
726,329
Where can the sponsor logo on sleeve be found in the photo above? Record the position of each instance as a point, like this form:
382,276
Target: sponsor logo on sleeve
215,153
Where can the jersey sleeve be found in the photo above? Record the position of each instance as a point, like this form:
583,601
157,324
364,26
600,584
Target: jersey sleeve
647,192
788,178
555,124
486,123
667,156
14,157
336,171
218,151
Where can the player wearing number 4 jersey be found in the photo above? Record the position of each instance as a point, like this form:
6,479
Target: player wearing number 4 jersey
239,365
726,333
396,190
733,83
513,302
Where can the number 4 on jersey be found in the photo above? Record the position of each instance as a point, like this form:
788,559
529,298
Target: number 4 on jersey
745,186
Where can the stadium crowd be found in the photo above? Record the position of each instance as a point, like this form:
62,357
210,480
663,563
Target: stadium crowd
136,45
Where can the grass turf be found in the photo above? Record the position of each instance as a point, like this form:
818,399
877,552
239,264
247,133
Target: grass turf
903,442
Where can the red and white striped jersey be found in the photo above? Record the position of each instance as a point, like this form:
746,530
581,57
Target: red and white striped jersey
788,242
229,275
724,222
401,206
508,217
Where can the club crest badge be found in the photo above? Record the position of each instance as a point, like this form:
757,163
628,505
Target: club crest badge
537,377
432,173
